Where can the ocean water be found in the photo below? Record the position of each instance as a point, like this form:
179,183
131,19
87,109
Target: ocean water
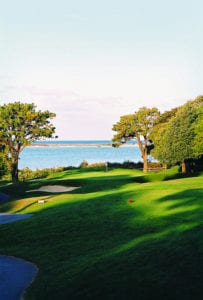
49,154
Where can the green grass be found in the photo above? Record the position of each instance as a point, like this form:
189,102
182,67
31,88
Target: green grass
92,243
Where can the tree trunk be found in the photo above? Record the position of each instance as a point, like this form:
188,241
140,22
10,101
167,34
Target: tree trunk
143,149
14,162
183,166
145,165
144,153
14,171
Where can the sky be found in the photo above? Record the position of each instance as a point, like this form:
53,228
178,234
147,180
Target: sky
92,61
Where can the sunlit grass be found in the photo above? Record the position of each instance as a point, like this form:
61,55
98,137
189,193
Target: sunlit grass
92,243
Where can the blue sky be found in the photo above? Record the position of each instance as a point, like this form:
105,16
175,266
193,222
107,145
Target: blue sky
92,61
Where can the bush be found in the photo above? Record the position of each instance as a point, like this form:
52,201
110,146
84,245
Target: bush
28,174
126,165
156,166
3,167
84,164
98,165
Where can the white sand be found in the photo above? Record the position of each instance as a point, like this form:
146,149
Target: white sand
55,189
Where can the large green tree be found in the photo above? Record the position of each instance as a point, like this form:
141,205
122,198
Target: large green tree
137,126
4,165
198,139
158,135
20,125
174,140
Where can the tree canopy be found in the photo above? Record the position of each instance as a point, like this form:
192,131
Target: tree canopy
174,136
174,139
20,125
198,129
137,126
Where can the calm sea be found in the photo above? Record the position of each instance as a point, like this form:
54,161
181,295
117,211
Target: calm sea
49,154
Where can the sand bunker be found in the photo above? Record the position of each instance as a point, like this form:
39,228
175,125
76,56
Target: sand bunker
55,189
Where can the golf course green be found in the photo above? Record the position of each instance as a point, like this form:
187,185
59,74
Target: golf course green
121,234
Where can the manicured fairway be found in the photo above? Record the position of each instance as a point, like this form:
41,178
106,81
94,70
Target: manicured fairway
93,243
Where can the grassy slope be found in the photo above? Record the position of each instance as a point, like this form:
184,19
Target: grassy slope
92,244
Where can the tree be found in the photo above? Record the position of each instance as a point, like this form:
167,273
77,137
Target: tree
175,140
137,126
198,139
4,166
158,135
20,125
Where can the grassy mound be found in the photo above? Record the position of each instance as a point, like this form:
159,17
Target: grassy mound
121,235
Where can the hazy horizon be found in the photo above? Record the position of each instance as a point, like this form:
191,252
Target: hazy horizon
92,61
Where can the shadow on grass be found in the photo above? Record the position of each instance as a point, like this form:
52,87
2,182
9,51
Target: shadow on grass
90,184
166,264
104,248
186,204
179,175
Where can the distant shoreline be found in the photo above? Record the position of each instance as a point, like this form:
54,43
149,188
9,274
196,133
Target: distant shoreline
48,154
77,145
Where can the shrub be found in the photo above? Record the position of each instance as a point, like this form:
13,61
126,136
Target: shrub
126,165
156,166
27,174
84,164
4,168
